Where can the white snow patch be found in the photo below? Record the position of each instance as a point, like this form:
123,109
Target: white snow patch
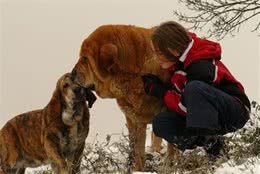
246,168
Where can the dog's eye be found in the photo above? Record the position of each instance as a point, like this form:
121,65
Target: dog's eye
66,85
85,59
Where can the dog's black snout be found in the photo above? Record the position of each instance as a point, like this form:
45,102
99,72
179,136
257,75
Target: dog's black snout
77,90
73,74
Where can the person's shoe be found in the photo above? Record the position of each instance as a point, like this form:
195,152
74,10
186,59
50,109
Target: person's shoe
214,145
185,142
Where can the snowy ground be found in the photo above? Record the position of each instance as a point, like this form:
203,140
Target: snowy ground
243,154
250,166
225,169
247,168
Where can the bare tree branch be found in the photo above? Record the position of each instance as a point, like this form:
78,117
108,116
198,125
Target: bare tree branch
222,17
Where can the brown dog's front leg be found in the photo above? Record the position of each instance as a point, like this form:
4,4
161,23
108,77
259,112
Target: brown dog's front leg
156,143
12,171
137,136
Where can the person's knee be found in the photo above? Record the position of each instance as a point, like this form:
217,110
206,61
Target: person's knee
160,123
193,87
166,123
156,124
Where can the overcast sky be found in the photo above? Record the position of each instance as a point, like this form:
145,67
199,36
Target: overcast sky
40,41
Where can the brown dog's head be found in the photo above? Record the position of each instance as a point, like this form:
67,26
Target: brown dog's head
92,71
108,52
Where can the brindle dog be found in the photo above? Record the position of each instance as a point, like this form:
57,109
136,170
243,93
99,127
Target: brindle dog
54,135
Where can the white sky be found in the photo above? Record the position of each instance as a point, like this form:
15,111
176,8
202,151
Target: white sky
40,41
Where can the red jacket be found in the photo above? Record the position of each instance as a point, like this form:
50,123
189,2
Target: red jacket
201,61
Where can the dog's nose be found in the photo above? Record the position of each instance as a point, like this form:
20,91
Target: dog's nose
73,74
77,90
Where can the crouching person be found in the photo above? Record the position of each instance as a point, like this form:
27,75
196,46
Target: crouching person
54,135
204,100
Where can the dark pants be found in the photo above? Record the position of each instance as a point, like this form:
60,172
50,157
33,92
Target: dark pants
210,111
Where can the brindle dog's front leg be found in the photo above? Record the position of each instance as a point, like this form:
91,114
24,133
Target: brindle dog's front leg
52,148
13,171
77,159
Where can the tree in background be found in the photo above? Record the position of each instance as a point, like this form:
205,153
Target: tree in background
225,16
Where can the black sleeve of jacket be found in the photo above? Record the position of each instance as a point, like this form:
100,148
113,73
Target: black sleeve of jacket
203,70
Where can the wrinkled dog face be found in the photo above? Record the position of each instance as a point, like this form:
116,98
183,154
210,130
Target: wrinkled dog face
83,73
87,74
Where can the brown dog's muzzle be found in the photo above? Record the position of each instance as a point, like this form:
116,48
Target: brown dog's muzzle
75,78
73,74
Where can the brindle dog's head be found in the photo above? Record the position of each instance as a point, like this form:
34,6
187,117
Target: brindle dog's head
74,99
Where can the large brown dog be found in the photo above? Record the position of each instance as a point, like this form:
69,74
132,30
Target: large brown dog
54,135
112,59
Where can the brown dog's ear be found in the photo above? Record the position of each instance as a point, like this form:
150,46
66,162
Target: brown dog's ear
90,97
108,58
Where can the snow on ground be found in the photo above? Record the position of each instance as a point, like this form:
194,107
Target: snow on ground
250,166
227,169
246,168
36,170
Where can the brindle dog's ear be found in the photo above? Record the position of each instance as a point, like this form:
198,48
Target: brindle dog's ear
90,97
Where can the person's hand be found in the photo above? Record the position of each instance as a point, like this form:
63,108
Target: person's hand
154,86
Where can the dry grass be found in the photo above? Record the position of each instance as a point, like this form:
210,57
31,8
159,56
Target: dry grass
115,157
